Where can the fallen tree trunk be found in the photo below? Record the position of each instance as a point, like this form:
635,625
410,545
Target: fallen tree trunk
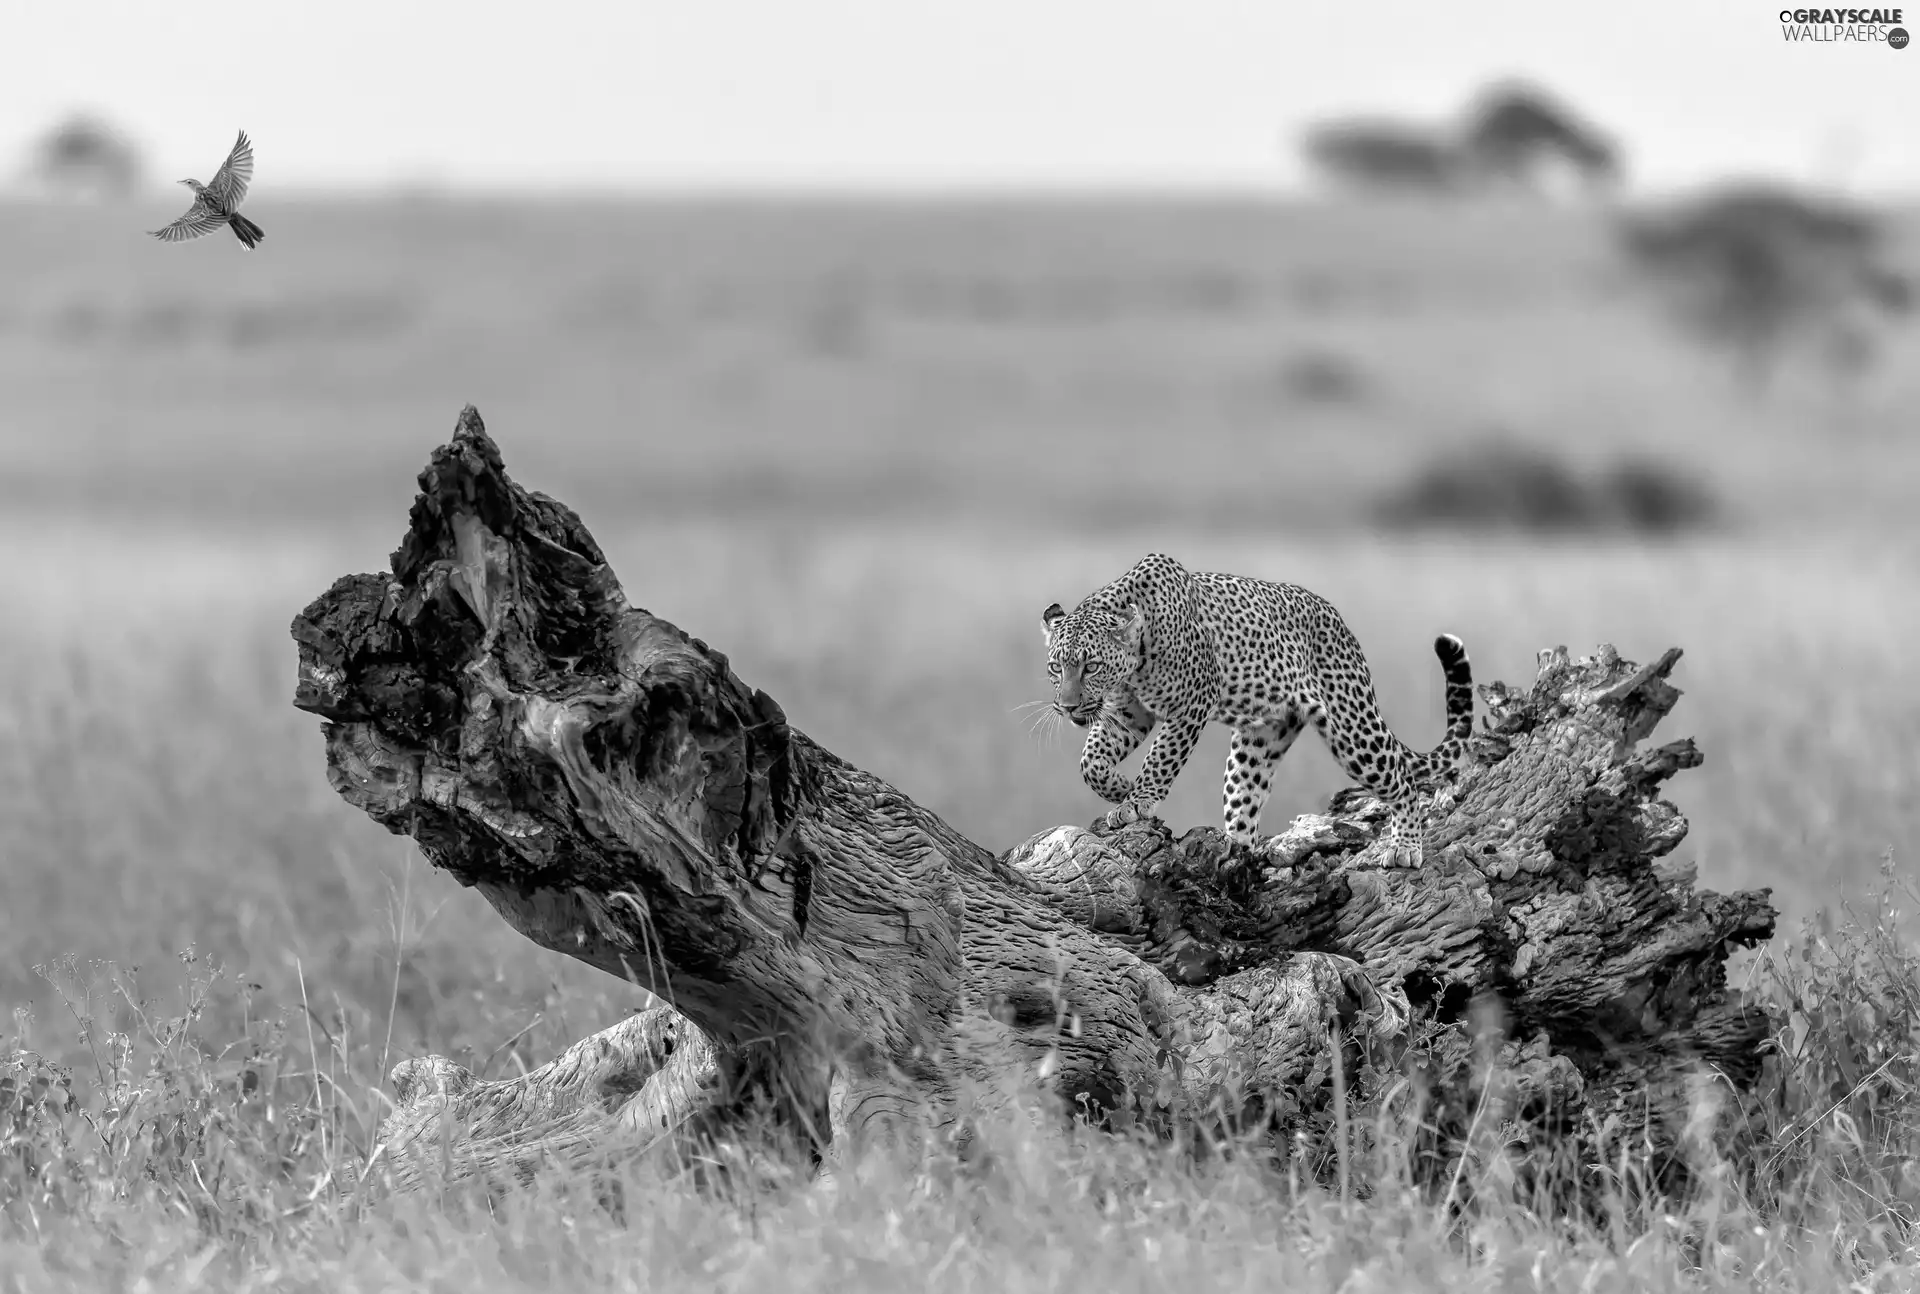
843,966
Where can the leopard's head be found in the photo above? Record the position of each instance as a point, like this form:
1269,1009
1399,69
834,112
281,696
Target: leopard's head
1092,655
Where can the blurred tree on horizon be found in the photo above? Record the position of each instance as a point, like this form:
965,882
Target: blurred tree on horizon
1513,135
83,155
1763,271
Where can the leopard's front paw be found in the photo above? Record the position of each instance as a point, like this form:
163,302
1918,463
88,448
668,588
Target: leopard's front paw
1410,854
1124,815
1404,848
1405,841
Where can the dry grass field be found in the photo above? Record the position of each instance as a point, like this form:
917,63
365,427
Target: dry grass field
858,448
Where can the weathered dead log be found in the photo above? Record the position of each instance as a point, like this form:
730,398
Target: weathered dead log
841,964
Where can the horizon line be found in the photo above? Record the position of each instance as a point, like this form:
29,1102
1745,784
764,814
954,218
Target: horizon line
25,189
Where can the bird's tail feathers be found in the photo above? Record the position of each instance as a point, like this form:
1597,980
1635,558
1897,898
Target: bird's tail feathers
246,231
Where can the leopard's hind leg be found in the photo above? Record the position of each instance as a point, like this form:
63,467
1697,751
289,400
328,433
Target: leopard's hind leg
1253,755
1348,720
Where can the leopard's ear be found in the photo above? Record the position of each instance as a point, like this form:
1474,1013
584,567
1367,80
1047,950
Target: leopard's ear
1133,625
1050,617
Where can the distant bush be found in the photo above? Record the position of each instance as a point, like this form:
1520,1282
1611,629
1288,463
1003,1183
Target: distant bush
1497,484
836,326
1321,377
1651,497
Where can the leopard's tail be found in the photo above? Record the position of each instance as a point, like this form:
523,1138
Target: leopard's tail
1439,761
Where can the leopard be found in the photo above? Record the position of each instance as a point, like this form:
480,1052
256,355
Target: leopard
1163,651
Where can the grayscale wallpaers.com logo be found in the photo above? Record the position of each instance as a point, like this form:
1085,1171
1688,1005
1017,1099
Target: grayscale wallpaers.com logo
1825,26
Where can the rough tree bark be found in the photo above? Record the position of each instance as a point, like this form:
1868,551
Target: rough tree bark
843,966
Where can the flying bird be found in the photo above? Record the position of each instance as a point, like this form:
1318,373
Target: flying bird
216,202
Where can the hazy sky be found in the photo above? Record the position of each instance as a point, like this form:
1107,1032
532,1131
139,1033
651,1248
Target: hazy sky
916,92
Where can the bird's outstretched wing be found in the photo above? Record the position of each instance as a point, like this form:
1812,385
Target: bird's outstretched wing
228,187
200,219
